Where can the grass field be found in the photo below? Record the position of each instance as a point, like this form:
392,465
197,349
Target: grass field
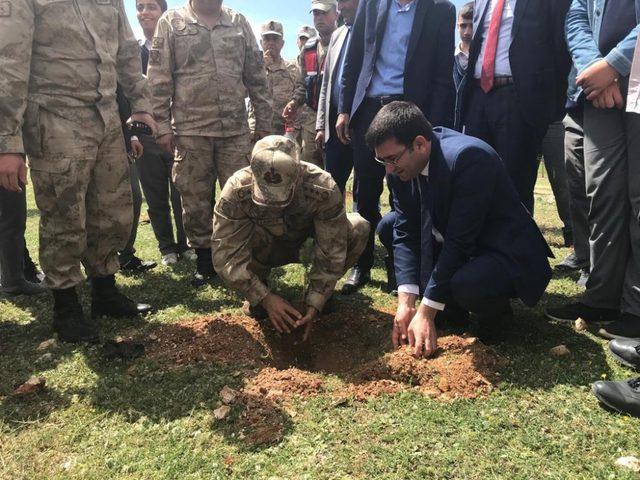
97,420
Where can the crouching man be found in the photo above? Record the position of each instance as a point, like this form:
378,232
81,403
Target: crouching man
265,214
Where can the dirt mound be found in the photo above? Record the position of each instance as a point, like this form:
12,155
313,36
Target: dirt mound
277,384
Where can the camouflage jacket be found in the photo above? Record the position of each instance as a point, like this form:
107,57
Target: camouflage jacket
65,57
317,210
282,79
199,77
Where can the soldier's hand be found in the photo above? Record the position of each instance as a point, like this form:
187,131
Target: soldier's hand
13,172
342,128
404,314
167,142
308,321
290,112
282,315
146,119
136,148
320,139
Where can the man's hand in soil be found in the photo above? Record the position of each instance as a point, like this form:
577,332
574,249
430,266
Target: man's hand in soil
282,315
13,172
309,319
405,312
423,336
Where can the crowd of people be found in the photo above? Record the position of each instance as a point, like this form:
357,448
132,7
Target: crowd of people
380,91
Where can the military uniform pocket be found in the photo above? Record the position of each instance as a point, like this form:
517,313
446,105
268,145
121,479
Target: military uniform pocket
59,165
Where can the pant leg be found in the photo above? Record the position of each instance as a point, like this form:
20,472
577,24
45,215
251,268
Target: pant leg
385,231
230,155
109,205
357,239
176,206
606,172
368,180
310,152
13,221
553,153
574,164
128,252
194,174
338,157
482,286
631,286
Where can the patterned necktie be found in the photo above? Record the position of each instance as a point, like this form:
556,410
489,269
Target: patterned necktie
487,75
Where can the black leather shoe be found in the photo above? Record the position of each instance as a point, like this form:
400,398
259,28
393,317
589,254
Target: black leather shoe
256,312
591,315
24,287
204,272
623,397
627,327
626,351
392,285
358,278
571,263
69,321
495,327
135,265
106,300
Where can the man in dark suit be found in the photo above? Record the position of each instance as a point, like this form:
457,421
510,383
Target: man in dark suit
517,81
452,192
399,49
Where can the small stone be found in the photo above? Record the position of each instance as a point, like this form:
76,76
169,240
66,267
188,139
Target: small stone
443,385
228,395
46,358
66,466
580,325
33,385
471,340
560,351
222,412
632,463
153,337
47,345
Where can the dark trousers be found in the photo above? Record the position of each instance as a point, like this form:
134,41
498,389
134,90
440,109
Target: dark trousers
154,169
368,178
385,231
13,221
338,156
128,252
496,118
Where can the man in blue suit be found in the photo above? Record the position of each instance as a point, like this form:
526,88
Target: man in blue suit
462,237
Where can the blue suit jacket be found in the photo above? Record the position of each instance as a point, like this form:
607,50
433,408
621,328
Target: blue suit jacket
476,208
427,82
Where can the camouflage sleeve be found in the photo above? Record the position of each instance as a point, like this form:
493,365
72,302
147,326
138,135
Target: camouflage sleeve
232,232
330,253
17,21
160,75
128,66
300,92
255,80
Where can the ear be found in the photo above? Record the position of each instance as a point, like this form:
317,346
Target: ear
420,144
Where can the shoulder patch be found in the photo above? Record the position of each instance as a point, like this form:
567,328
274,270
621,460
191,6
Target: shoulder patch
157,42
178,23
316,191
154,57
5,9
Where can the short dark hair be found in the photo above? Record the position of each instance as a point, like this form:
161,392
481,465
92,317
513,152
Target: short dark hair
161,3
403,121
466,11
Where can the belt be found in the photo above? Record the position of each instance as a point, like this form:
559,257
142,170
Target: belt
498,82
385,100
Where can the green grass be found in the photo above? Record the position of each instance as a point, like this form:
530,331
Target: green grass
100,420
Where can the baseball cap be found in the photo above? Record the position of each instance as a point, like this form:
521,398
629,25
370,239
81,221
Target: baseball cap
272,28
324,5
275,164
307,31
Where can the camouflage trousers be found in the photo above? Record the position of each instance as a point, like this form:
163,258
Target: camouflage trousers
310,151
268,251
199,162
80,176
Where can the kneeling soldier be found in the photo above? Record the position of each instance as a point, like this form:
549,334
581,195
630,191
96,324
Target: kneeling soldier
265,214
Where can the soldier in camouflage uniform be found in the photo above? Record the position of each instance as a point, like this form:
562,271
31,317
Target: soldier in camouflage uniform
59,62
204,59
307,93
265,214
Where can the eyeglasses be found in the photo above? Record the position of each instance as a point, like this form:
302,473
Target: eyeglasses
393,161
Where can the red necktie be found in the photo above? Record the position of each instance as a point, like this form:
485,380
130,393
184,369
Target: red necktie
487,75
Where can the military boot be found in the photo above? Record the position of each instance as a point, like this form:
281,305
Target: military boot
392,286
107,300
204,268
69,321
12,279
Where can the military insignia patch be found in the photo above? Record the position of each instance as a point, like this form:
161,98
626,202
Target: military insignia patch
178,24
157,42
272,177
154,57
5,9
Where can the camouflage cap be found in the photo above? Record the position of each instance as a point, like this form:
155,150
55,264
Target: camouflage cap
275,164
272,28
324,5
307,32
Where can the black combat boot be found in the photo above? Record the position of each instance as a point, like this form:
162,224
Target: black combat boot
204,268
12,267
106,300
392,285
69,321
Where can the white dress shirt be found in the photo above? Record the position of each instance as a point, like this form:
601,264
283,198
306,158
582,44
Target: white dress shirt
462,56
503,66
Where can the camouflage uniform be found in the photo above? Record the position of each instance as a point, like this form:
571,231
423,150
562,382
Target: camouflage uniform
59,62
282,77
199,78
258,225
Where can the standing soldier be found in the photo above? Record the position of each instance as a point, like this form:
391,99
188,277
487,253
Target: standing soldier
265,214
59,62
305,33
311,64
203,60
